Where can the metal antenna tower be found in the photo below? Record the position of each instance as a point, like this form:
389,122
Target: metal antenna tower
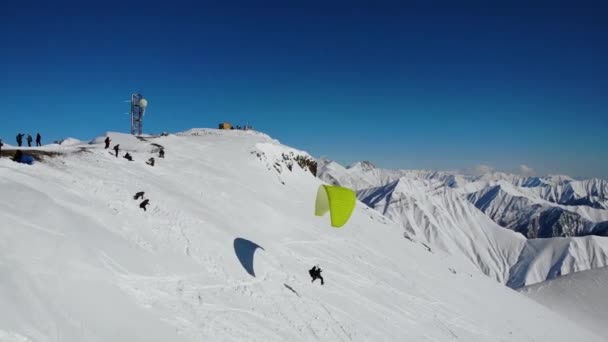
138,108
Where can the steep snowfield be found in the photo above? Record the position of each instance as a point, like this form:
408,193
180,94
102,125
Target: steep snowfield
580,297
523,212
590,192
440,217
80,261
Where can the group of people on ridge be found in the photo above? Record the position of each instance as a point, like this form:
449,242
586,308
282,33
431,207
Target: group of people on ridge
19,154
29,139
127,156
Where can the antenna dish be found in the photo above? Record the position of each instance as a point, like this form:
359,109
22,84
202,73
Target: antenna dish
143,103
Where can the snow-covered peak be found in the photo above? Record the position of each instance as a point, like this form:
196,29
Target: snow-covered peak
362,166
558,179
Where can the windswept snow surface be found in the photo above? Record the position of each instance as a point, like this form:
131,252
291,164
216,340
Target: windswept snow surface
80,261
69,142
580,297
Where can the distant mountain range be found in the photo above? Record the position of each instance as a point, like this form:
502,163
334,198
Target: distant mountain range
496,220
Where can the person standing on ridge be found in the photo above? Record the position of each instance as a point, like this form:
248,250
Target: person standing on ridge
116,148
107,141
38,139
29,140
19,139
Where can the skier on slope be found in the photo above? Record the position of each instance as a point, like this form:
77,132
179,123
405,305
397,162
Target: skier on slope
315,273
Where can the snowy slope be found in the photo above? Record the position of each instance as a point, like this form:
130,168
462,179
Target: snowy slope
440,217
521,211
590,192
80,261
580,297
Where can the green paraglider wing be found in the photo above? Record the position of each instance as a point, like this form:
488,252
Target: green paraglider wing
339,201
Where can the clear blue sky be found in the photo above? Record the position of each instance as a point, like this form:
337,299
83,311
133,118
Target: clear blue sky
422,84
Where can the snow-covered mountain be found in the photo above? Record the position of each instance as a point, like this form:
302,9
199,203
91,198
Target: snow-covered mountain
524,211
580,297
222,254
466,215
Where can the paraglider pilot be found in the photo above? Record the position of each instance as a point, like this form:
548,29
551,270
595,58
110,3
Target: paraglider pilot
315,273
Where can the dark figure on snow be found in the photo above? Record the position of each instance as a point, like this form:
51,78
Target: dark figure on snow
144,204
315,273
107,141
29,140
139,195
161,153
1,144
150,162
18,155
116,148
128,157
38,140
19,139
